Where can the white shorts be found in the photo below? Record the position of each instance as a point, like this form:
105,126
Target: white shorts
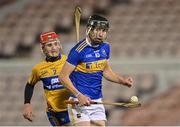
86,113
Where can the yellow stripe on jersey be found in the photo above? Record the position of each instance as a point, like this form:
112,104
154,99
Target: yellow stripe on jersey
81,46
91,67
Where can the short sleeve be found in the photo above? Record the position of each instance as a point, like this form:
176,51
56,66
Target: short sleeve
33,78
73,57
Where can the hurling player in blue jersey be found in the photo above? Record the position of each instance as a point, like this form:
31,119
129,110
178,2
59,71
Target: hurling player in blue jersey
87,63
48,71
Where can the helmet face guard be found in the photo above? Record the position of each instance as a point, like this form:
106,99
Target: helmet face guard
98,21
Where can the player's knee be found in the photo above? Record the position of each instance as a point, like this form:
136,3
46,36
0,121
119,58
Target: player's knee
84,123
98,123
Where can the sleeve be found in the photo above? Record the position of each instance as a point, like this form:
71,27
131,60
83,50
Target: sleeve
33,78
28,92
73,57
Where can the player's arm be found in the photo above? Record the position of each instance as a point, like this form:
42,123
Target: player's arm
65,80
28,92
114,77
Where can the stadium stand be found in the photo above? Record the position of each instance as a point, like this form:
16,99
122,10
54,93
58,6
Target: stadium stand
144,38
141,27
158,111
6,2
145,29
12,90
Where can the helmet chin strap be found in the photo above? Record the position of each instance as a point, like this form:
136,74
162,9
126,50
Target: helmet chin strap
88,31
88,37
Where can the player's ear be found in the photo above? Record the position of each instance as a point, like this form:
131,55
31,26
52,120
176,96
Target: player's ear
42,48
61,49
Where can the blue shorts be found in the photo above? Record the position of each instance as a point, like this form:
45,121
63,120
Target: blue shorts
58,118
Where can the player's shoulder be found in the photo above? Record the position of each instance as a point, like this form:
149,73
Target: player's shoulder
106,43
80,46
39,65
63,57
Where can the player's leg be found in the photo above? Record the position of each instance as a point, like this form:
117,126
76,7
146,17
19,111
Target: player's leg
87,115
78,118
85,123
97,114
98,123
63,118
59,118
52,119
78,115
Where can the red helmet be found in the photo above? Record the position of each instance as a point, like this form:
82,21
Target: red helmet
48,36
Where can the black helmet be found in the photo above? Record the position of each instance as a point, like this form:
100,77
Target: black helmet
98,21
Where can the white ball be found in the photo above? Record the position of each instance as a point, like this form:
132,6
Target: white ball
134,99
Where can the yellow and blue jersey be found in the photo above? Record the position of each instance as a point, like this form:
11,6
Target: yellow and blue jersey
90,62
48,73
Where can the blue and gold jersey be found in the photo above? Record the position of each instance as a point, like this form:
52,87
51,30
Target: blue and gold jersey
90,63
48,73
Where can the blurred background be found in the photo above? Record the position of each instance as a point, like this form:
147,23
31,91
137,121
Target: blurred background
145,44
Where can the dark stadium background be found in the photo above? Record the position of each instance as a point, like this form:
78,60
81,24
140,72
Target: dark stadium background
145,43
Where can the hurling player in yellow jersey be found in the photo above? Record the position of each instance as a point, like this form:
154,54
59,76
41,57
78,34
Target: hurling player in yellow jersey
87,63
47,71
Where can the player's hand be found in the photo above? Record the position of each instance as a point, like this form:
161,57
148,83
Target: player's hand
84,100
27,112
128,81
